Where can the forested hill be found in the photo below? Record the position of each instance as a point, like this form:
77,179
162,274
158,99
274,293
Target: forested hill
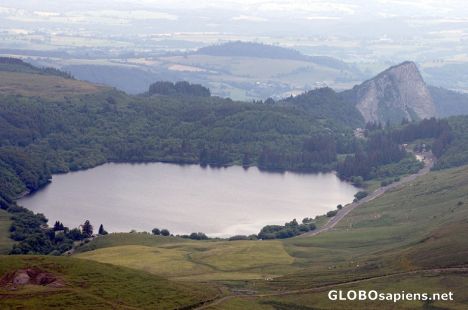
449,102
17,65
41,135
327,104
259,50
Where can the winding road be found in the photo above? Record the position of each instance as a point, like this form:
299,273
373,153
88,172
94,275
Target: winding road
428,159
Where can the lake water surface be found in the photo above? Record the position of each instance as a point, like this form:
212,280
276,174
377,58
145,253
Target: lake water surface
184,199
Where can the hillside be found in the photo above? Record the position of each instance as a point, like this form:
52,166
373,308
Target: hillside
5,241
79,284
20,78
448,102
326,103
393,95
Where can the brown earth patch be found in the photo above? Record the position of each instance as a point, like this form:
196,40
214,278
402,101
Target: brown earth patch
30,276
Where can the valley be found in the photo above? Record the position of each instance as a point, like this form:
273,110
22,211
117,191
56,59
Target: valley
407,233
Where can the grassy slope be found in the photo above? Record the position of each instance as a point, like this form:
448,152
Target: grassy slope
189,260
5,241
91,285
424,283
45,86
418,226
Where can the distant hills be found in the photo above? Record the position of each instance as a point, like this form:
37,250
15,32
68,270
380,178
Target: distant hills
238,70
260,50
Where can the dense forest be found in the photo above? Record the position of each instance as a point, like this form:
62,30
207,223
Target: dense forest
180,88
384,149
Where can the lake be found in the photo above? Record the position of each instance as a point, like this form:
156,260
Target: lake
186,198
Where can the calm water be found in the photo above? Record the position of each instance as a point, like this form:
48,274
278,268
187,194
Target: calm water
184,199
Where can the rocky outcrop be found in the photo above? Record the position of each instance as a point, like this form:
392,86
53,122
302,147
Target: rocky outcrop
29,276
395,94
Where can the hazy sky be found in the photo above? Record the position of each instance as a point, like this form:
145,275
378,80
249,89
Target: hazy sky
341,27
216,14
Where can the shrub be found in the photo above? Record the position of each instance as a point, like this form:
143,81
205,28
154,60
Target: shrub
361,194
332,213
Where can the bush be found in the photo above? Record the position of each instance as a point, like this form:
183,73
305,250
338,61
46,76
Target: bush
165,232
361,194
332,213
198,236
156,231
243,237
287,230
339,207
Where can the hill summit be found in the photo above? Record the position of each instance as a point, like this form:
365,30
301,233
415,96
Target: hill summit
393,95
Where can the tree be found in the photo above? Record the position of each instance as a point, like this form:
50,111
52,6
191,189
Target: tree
102,231
75,234
198,236
87,229
361,194
339,207
331,213
156,231
58,226
165,232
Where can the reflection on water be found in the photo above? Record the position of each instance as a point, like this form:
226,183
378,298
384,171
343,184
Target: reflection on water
186,198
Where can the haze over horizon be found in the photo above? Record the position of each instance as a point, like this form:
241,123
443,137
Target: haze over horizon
408,27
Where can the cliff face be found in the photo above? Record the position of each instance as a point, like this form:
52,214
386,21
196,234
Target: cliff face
397,93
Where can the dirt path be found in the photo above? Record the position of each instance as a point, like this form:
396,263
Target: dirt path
429,160
320,288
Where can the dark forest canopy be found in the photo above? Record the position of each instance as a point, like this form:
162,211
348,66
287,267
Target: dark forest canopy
181,88
328,104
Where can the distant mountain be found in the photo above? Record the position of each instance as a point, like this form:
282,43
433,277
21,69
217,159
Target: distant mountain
449,102
395,94
259,50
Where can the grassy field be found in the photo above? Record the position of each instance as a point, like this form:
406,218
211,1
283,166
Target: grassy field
91,285
5,241
45,86
421,226
196,261
420,283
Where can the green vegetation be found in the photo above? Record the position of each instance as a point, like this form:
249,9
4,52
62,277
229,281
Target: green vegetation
33,235
195,260
287,230
5,223
456,153
383,155
327,104
92,285
360,195
178,89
